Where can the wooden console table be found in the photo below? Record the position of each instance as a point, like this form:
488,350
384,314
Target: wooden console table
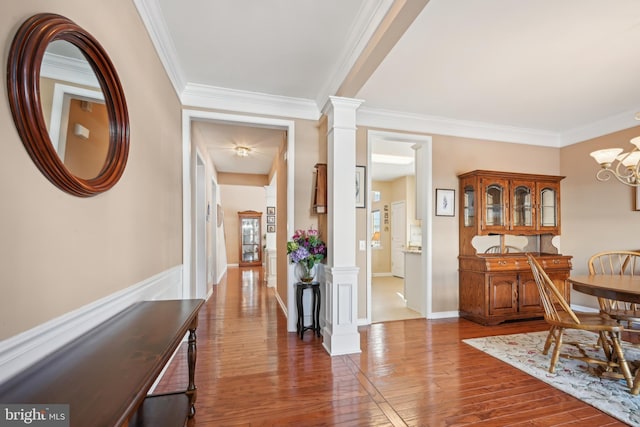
104,375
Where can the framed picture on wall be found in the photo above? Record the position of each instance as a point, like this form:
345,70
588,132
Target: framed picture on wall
361,186
271,219
271,228
271,210
445,202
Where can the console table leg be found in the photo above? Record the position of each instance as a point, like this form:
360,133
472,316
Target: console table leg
192,390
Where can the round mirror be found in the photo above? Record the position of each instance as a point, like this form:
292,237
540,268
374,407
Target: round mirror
68,105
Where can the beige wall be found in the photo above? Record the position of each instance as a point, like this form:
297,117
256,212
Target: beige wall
381,257
453,156
61,252
596,216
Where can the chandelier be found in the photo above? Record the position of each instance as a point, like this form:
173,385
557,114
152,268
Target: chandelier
625,167
242,151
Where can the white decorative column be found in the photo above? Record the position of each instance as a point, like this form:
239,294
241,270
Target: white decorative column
340,330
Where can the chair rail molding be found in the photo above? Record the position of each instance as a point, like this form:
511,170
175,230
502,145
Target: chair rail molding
24,349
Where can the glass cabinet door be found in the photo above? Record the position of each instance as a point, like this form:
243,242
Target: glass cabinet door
548,201
495,203
522,205
250,238
469,207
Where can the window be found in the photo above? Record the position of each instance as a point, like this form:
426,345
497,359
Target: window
375,229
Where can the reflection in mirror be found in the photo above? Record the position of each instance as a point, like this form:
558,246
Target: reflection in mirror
54,68
74,110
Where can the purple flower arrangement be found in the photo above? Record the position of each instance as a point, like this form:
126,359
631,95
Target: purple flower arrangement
306,247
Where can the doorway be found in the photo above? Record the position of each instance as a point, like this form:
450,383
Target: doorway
191,260
400,167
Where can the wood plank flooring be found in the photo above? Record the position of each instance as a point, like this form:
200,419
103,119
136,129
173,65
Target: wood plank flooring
252,372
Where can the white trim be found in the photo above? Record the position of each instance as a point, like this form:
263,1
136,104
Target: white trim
153,19
443,126
425,141
218,98
584,309
444,315
368,19
605,126
22,350
66,69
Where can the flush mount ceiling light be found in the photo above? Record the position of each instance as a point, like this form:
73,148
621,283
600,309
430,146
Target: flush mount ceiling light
242,151
391,159
625,167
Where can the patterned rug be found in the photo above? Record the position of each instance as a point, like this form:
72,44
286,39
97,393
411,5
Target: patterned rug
524,351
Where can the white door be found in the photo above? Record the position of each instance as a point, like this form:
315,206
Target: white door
398,237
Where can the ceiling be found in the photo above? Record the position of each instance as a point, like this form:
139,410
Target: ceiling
546,72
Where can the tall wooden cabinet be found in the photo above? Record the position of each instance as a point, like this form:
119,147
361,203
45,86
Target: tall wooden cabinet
498,285
250,238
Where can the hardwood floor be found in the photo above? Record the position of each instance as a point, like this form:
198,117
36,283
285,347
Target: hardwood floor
252,372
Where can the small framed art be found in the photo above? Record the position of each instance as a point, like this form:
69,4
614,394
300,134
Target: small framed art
445,202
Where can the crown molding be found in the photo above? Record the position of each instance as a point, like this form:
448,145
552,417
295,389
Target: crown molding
605,126
386,119
370,16
67,69
156,26
218,98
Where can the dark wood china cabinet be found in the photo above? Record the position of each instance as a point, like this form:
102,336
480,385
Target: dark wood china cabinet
496,284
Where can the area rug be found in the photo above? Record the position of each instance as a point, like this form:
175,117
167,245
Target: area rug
524,351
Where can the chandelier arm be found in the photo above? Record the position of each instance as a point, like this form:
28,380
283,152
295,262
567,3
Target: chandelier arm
605,174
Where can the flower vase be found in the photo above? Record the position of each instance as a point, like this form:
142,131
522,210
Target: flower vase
304,273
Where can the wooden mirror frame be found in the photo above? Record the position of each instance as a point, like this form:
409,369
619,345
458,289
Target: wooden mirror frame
23,82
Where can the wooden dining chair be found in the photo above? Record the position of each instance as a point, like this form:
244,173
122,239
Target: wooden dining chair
497,249
560,316
624,263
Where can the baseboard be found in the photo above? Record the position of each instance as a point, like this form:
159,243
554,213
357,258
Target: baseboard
584,309
222,273
444,315
24,349
282,305
381,274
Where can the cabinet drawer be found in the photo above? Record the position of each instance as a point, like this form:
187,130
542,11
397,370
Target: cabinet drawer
506,264
555,263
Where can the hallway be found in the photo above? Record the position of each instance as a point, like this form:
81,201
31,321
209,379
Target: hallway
252,372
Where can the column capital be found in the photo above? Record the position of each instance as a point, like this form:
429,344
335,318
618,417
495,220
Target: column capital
341,112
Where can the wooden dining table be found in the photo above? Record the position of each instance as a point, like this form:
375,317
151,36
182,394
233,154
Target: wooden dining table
612,286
